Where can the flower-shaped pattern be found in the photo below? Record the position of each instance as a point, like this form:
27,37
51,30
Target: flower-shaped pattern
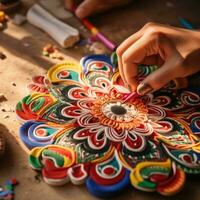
79,128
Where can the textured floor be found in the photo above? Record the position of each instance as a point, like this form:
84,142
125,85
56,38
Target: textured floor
22,46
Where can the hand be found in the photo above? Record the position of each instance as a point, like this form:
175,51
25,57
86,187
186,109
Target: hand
89,7
176,51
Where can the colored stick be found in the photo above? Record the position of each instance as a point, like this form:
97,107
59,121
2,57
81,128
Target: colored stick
98,34
131,95
109,44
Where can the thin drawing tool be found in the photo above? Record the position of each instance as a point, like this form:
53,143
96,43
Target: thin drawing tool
131,95
96,32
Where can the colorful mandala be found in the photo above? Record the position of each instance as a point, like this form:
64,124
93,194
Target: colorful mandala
79,128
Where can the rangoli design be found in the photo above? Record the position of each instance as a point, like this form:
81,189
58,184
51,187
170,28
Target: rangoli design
78,128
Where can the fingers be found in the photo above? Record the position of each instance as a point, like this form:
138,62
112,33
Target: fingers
171,69
153,60
191,63
175,66
128,42
164,46
86,8
89,7
131,57
159,78
148,48
122,48
145,47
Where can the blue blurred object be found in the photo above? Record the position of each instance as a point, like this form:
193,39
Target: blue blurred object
185,23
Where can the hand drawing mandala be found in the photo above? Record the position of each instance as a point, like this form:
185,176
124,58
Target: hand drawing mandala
78,128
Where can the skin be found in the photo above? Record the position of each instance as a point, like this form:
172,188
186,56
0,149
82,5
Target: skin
89,7
176,51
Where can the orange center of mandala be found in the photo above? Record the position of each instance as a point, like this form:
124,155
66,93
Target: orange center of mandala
119,114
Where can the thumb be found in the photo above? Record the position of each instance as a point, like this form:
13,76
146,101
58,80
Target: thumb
86,8
161,76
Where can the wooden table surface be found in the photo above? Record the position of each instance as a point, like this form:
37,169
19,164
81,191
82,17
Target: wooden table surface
23,47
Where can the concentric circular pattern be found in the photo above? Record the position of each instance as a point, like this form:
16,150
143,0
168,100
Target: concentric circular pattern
79,128
119,111
118,114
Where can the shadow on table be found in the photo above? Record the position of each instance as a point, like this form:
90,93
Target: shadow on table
190,191
24,49
9,156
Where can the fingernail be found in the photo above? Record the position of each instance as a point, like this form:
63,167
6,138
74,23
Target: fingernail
80,12
144,88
